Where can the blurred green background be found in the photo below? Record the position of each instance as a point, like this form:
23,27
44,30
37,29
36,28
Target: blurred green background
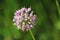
47,25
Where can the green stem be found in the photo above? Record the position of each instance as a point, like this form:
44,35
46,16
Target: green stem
57,4
31,34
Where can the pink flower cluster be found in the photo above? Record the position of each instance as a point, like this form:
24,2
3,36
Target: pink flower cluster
24,19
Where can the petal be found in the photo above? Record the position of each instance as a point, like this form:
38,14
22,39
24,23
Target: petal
31,14
23,27
14,24
31,25
14,20
18,12
29,9
18,27
27,27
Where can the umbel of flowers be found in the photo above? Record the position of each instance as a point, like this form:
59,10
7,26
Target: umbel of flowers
24,19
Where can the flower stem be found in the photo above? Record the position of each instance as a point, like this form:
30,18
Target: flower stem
31,34
57,4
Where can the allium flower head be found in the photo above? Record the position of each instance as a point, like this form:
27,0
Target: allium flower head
24,19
